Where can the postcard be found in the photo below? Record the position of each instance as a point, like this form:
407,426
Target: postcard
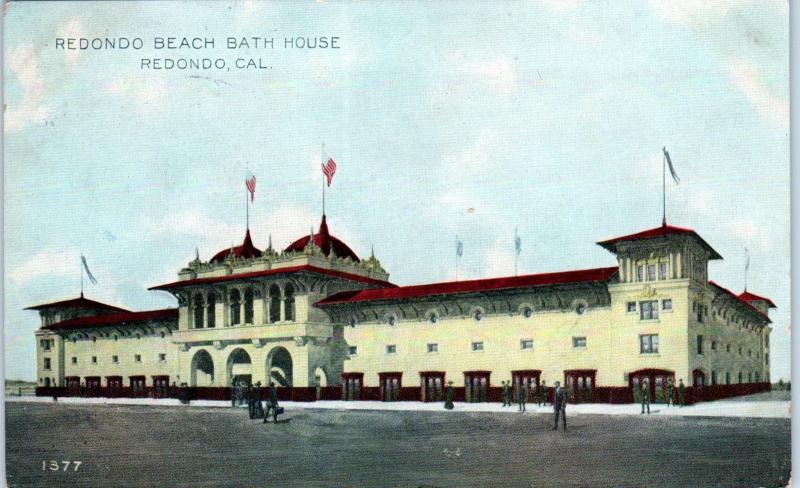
397,244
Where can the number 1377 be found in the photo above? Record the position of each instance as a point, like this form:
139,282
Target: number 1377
61,465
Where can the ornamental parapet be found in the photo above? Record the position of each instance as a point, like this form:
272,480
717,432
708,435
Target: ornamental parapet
254,333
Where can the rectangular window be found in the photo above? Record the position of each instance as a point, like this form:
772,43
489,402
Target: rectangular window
713,345
47,363
651,272
477,346
662,271
137,358
713,377
526,344
631,307
115,359
353,350
579,342
666,304
648,344
94,359
74,360
699,344
162,357
45,344
640,273
433,347
727,378
391,349
648,310
740,377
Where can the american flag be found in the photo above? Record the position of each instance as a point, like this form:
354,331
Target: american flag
250,183
329,169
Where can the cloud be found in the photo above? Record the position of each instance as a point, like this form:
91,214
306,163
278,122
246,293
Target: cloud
582,35
754,235
774,108
72,29
47,263
696,13
24,64
147,95
496,72
559,4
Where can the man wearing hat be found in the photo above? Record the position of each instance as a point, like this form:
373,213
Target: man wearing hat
272,403
449,395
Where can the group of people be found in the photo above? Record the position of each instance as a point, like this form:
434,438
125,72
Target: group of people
241,392
523,393
644,393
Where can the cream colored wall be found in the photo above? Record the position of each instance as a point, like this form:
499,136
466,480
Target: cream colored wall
612,342
149,347
725,332
56,355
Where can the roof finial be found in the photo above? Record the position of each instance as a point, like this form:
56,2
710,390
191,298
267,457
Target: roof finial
372,251
270,242
196,254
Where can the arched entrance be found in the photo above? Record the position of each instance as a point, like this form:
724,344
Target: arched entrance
239,367
202,370
279,367
657,381
320,381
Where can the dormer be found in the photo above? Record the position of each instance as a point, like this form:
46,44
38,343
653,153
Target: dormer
660,254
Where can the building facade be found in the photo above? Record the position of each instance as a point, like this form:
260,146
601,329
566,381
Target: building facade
321,323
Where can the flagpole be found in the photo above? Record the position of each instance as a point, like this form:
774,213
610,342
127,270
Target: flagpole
664,189
81,266
322,161
247,207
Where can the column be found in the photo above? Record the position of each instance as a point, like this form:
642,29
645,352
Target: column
266,307
205,310
241,306
283,307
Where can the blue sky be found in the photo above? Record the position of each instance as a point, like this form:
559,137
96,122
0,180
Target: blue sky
458,119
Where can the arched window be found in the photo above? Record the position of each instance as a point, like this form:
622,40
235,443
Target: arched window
198,311
211,304
274,304
248,306
235,307
288,302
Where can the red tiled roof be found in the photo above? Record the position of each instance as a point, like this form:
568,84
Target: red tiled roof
742,301
752,297
326,242
246,250
79,302
472,286
268,272
114,319
663,231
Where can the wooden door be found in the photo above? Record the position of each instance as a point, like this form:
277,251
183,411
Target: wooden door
476,385
137,386
92,386
528,379
432,386
390,386
580,385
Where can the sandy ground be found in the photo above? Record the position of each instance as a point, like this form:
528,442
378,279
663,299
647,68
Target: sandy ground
156,445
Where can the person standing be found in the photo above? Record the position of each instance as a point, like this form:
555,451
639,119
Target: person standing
449,395
272,404
251,401
506,399
560,405
681,393
522,396
233,393
543,394
174,390
645,396
670,393
258,412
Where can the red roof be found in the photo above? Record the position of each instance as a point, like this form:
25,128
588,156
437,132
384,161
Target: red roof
326,242
752,297
114,319
663,231
268,272
246,250
472,286
79,302
742,301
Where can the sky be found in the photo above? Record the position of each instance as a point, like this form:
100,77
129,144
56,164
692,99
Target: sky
445,120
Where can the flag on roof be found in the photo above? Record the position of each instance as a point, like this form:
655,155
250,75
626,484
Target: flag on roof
329,169
86,268
250,183
671,168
